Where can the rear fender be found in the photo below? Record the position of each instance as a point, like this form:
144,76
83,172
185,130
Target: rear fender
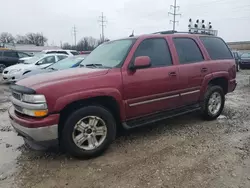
209,78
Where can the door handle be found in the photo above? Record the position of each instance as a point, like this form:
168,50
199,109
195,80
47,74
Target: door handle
172,74
203,69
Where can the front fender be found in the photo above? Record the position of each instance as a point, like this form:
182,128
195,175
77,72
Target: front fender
63,101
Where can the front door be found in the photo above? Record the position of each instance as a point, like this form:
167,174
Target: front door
155,88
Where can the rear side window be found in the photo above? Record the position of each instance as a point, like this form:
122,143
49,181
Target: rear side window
157,50
216,48
10,54
74,52
60,57
62,52
51,52
188,51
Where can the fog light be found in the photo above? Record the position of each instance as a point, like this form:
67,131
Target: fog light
35,113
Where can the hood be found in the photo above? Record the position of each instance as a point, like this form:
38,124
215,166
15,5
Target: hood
36,71
60,76
19,66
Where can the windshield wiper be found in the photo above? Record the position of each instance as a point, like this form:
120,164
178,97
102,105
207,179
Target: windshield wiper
52,68
96,65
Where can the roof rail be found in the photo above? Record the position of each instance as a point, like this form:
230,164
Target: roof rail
194,31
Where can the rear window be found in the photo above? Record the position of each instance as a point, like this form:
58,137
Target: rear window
10,54
216,48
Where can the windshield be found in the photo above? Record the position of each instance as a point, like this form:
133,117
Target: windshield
33,59
66,63
109,54
245,56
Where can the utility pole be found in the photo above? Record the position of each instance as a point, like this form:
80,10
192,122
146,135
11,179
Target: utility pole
102,21
174,14
74,33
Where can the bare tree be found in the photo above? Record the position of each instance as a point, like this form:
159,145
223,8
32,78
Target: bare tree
36,39
6,38
87,44
66,46
20,39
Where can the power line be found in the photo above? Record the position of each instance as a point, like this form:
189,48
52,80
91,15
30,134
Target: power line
102,21
174,14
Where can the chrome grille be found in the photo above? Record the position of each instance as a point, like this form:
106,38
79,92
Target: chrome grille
18,108
17,96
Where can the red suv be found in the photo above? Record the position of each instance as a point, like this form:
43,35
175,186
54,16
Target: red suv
130,82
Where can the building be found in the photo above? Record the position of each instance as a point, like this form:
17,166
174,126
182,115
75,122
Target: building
240,46
30,48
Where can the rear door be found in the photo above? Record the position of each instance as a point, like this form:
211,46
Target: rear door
192,69
155,88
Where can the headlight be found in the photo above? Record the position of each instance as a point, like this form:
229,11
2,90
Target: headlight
14,70
34,98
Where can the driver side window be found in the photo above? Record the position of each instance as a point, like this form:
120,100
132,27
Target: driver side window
47,60
158,51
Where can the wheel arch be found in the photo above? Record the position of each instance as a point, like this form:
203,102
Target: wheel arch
220,79
107,102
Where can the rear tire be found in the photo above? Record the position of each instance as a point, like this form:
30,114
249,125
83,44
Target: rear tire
88,132
214,101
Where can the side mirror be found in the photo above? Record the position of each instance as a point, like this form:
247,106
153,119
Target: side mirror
141,62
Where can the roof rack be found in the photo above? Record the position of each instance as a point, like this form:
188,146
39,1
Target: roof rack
192,31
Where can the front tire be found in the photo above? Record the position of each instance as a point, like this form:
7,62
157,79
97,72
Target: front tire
214,101
88,132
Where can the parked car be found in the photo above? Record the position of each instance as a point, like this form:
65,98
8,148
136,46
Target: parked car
10,57
70,62
67,52
237,60
245,61
85,52
131,83
15,72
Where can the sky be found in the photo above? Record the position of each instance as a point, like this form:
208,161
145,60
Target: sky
56,18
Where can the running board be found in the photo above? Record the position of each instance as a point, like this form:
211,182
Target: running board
159,116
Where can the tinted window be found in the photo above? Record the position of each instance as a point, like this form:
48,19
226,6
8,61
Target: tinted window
10,54
216,48
61,52
157,50
74,52
51,52
21,55
60,57
188,51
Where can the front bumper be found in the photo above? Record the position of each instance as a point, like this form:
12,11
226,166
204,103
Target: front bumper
38,130
11,77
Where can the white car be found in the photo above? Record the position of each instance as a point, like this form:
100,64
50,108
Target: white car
67,52
14,73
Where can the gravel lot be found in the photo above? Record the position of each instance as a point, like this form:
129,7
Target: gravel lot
181,152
